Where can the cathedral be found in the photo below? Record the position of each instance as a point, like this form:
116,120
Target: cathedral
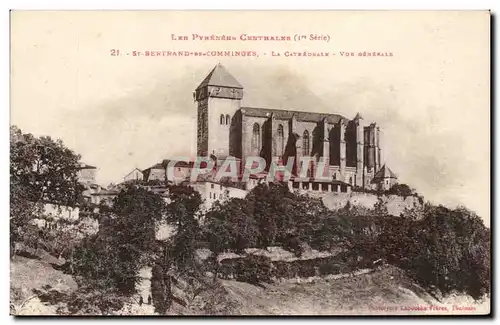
349,147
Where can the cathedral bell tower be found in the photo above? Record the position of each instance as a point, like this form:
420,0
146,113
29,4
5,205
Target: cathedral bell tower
219,98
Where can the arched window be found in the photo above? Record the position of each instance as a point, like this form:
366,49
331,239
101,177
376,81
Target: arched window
305,144
228,119
222,119
256,137
280,141
334,176
350,180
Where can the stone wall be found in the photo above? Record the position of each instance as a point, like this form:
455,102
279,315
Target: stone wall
395,204
300,268
211,192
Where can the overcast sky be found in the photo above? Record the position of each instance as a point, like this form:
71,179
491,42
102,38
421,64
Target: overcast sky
430,99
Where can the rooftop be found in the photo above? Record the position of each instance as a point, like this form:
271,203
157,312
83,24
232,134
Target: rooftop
287,115
219,76
85,166
383,173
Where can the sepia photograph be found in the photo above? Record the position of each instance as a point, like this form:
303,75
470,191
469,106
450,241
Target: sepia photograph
250,163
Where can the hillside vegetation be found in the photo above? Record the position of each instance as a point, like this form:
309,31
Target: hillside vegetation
430,250
385,291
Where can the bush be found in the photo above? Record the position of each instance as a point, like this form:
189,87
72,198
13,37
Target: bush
329,268
306,268
94,300
254,269
282,270
401,190
442,249
294,245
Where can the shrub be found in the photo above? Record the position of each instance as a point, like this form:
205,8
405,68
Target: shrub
227,266
401,190
443,249
329,268
282,270
294,245
306,268
254,269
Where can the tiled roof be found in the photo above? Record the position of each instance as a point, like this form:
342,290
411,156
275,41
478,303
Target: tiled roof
156,166
287,115
85,166
220,77
383,173
133,170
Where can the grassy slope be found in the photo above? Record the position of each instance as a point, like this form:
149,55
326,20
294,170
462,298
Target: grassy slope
362,294
27,274
389,287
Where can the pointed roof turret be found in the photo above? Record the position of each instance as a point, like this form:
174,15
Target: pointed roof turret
219,76
358,116
383,173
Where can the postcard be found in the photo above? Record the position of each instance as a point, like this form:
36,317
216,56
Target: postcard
244,163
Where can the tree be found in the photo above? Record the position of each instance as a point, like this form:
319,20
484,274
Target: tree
230,226
184,205
307,216
177,255
46,170
161,281
22,212
137,212
443,249
331,232
182,211
126,234
41,171
270,204
401,190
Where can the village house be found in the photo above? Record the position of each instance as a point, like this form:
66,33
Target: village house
135,175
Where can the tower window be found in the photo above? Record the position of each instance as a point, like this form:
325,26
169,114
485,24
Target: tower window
222,119
256,136
280,140
305,144
228,119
